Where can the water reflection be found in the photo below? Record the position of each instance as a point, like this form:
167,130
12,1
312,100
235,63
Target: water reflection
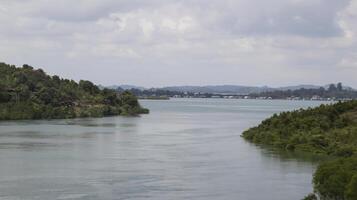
285,155
26,145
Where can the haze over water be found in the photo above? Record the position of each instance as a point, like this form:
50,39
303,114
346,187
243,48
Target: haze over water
184,149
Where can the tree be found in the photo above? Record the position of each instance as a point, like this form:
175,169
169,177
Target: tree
337,179
311,197
56,79
332,88
27,67
339,87
351,190
127,98
88,87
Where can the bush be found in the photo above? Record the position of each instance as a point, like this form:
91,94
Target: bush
351,190
337,179
327,129
311,197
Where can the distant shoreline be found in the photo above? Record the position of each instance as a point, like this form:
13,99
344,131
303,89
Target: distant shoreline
170,98
154,98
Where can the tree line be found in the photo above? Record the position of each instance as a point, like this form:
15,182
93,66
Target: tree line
334,91
28,93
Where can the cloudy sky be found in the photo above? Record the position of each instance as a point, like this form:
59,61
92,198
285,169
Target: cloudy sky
184,42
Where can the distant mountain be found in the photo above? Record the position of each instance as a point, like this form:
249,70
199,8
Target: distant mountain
296,87
126,87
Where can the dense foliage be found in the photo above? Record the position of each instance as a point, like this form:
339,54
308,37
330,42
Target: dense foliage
26,93
337,179
333,92
327,129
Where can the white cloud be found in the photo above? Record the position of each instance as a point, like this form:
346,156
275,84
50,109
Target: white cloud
276,42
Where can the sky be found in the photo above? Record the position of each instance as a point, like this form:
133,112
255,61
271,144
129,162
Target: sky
155,43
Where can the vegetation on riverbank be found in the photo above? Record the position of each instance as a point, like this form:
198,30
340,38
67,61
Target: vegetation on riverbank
327,129
337,179
334,91
26,93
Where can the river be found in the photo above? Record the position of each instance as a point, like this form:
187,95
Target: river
184,149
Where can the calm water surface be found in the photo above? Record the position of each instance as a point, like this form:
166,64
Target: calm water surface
184,149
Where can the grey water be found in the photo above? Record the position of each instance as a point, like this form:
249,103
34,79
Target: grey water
184,149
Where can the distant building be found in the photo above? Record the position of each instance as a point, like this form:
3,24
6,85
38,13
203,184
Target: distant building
315,98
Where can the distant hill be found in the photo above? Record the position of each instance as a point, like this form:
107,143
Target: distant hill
223,89
125,87
219,89
297,87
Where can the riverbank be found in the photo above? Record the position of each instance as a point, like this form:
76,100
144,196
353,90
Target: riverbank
327,129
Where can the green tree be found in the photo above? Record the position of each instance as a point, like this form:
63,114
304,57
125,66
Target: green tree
26,93
339,87
351,190
88,87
